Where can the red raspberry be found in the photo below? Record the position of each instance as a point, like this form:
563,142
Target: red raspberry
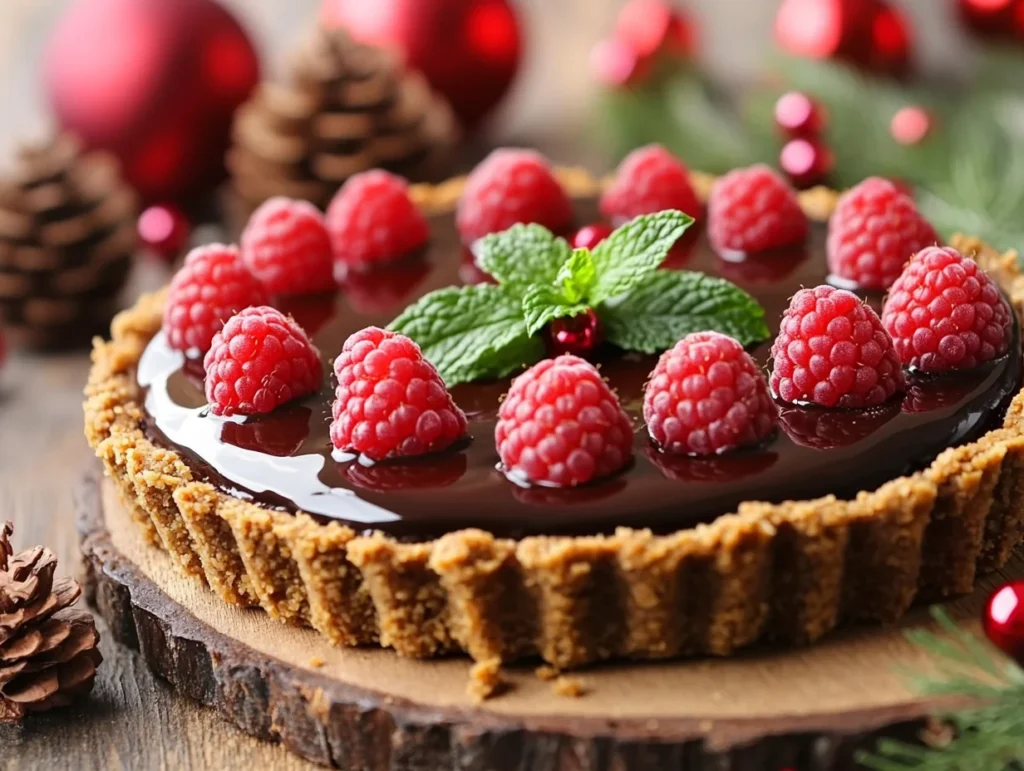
210,288
390,401
754,210
945,313
833,351
259,361
649,179
561,425
706,396
511,186
286,247
372,219
873,231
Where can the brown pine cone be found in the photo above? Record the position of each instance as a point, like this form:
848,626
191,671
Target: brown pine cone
48,652
67,235
347,108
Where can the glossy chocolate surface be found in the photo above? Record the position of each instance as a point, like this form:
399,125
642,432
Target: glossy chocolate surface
285,459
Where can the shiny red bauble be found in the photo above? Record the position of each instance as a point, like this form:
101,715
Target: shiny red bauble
806,162
871,34
911,125
1003,619
469,50
156,82
589,236
579,335
164,231
798,115
993,19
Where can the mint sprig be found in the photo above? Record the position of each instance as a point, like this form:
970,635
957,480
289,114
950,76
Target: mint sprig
485,331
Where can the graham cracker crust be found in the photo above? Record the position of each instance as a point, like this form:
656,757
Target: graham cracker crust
787,572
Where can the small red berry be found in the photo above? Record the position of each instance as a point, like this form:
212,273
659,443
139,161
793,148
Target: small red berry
910,125
1003,619
210,288
561,425
754,210
654,26
807,162
578,335
260,360
872,233
707,396
286,247
589,236
510,186
833,351
390,401
945,313
164,230
371,220
797,115
650,179
615,63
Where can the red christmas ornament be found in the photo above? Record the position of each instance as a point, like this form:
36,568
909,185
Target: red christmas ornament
807,162
654,26
870,34
1003,619
993,19
469,50
798,115
910,125
589,236
164,230
578,335
156,82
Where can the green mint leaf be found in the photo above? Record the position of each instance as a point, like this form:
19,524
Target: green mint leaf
634,251
669,304
523,255
471,332
576,277
543,304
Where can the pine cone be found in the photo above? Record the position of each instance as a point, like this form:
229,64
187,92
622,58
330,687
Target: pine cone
67,234
48,652
348,108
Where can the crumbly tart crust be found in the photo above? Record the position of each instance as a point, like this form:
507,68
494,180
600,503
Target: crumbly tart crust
786,572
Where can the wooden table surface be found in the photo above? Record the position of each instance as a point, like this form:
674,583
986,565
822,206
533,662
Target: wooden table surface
132,719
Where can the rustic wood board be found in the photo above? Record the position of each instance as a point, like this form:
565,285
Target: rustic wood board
370,709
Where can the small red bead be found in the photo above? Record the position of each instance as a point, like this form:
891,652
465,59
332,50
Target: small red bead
911,125
806,162
578,335
797,115
589,236
1003,619
164,230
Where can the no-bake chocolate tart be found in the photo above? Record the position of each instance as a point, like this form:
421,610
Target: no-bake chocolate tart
839,516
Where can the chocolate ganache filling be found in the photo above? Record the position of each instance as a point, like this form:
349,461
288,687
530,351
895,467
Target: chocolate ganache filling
286,460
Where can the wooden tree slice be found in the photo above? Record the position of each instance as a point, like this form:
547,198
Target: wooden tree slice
372,710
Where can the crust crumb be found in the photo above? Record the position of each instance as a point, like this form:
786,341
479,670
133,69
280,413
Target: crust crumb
316,662
485,680
572,687
546,672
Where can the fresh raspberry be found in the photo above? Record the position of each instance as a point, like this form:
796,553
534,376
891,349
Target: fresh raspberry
259,361
833,351
561,425
390,401
210,288
286,247
872,233
706,396
511,186
945,313
372,219
650,179
754,210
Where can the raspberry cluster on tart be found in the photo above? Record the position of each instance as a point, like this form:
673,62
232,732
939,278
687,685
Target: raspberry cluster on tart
687,503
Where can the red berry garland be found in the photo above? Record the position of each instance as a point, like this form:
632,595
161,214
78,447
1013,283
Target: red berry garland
799,115
807,162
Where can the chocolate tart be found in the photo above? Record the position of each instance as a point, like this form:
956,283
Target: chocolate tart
670,558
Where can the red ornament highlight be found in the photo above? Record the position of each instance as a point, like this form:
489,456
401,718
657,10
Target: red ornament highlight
1003,619
578,335
468,50
155,83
